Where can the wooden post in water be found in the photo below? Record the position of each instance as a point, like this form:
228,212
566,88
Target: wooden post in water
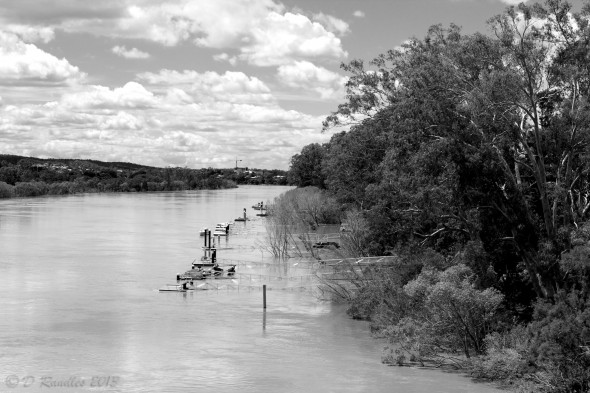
264,296
205,244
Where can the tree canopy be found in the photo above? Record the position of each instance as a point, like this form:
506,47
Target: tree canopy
476,147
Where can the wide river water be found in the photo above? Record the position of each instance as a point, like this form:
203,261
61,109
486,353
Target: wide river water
80,308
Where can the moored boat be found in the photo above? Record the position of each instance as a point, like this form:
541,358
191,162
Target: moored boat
200,272
221,229
174,288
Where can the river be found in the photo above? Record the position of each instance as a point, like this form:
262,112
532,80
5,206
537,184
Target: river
81,311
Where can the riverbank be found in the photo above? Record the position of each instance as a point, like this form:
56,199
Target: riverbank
40,188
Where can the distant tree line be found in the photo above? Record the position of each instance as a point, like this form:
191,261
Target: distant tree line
467,159
26,176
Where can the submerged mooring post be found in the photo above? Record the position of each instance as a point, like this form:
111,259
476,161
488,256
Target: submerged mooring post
264,296
205,244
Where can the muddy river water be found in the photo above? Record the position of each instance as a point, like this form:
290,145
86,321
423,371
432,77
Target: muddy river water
80,308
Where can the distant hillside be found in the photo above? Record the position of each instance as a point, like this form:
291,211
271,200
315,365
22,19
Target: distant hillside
14,159
30,176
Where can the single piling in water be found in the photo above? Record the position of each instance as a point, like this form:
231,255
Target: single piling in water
264,296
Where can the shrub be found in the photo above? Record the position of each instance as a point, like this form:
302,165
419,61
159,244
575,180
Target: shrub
560,342
443,314
365,302
456,315
6,190
61,188
354,236
30,189
178,185
505,358
154,186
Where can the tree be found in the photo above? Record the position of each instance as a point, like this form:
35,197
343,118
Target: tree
476,148
306,167
511,106
9,174
352,159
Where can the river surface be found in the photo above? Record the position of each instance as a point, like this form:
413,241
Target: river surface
80,308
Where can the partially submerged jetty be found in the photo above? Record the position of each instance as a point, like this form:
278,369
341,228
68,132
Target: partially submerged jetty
207,266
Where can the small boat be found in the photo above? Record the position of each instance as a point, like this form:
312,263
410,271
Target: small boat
258,206
196,273
174,288
221,229
218,271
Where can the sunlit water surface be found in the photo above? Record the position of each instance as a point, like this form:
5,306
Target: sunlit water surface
78,288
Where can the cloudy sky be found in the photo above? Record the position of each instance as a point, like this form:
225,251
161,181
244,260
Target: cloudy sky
197,83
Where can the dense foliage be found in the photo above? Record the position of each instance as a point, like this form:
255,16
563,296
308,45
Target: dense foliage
472,152
23,176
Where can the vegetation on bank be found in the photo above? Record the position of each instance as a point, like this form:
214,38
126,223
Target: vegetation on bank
294,216
27,177
466,161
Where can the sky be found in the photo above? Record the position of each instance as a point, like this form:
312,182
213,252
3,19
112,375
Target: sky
194,83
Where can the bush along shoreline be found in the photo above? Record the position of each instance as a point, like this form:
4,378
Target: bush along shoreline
465,162
40,188
30,177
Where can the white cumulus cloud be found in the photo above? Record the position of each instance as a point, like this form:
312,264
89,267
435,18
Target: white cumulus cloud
233,60
283,38
167,120
332,24
131,95
30,33
26,64
306,75
210,86
132,53
262,32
